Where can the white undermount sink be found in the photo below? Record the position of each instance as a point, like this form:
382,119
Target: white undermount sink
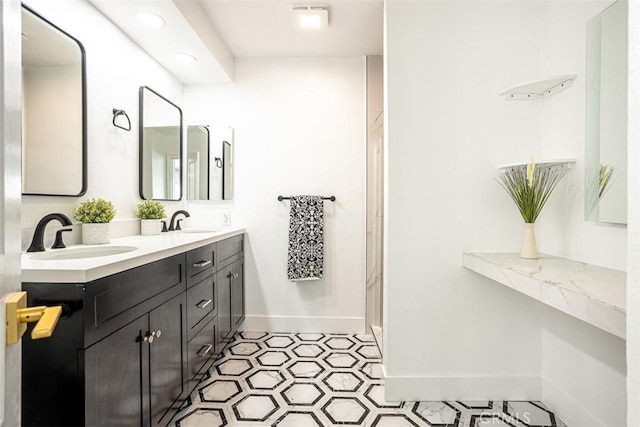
82,252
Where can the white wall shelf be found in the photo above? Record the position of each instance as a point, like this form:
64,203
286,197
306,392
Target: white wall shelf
538,89
593,294
561,163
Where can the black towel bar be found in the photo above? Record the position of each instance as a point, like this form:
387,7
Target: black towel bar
332,198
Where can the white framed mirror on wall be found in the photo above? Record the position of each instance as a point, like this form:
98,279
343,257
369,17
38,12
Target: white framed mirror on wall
606,116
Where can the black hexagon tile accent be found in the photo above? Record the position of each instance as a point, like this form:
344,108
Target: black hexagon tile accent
220,391
253,335
302,394
437,414
369,352
343,381
203,417
339,343
375,394
307,350
234,367
372,370
340,360
393,420
489,419
305,369
265,379
369,339
279,341
255,407
273,358
245,348
310,337
298,419
345,410
468,404
531,414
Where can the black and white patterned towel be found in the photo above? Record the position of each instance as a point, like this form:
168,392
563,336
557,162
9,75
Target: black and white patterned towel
306,238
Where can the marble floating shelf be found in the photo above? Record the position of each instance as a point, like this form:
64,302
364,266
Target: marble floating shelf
561,163
593,294
538,89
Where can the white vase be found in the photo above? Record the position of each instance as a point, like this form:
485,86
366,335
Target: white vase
150,227
529,248
95,234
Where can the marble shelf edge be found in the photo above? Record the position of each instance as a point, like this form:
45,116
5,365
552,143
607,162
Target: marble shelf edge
595,295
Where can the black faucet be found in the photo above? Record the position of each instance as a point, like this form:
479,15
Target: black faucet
37,244
175,225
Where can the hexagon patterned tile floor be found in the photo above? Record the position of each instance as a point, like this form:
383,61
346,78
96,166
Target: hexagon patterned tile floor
318,380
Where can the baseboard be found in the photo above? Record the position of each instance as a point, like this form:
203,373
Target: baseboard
516,387
331,325
569,411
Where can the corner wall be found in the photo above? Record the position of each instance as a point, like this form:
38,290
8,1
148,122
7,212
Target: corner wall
449,333
299,128
570,348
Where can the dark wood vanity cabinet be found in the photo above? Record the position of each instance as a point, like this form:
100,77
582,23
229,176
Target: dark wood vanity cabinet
130,347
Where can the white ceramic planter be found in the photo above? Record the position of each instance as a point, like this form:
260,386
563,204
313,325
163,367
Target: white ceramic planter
529,247
95,234
150,227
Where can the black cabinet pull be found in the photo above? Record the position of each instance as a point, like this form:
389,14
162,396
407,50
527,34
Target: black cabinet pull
204,303
201,264
207,348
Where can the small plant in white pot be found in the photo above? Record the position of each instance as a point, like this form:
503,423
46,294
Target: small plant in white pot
150,213
95,216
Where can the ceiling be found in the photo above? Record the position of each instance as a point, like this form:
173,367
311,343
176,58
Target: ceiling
263,28
219,31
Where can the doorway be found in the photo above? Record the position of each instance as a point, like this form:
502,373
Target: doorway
375,168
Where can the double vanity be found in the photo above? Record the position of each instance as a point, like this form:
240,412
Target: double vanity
142,321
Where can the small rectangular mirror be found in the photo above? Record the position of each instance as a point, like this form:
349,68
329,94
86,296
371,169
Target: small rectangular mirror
54,132
606,116
160,147
198,163
227,171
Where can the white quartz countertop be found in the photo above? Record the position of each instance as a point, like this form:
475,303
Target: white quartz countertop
594,294
149,249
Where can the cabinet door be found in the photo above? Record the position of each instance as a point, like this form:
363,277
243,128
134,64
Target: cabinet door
167,358
237,293
224,305
114,377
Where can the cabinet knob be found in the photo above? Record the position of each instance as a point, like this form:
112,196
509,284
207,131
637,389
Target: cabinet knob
158,333
148,338
235,276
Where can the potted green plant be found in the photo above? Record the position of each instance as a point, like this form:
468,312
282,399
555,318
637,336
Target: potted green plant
150,213
95,216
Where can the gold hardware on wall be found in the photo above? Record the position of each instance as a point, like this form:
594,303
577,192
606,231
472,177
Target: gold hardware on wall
18,315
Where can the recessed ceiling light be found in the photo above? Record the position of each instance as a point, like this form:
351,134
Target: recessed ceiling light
185,59
150,19
310,17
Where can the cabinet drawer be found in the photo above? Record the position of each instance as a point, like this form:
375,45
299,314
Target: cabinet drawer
200,262
201,348
230,247
200,302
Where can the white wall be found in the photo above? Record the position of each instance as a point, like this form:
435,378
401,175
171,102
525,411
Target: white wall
299,128
633,255
116,68
570,347
448,332
447,132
